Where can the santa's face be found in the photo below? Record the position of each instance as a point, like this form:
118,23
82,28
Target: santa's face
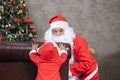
58,34
57,31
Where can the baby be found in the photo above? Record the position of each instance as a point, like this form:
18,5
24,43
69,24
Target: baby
48,58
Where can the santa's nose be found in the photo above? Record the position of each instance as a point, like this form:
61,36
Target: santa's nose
58,34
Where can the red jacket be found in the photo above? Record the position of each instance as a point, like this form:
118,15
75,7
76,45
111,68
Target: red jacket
48,62
85,65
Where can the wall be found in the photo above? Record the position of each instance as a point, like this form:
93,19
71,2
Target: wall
98,21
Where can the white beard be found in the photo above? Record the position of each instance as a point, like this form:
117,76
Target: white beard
66,38
61,38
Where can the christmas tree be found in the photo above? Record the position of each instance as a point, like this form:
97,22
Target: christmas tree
15,23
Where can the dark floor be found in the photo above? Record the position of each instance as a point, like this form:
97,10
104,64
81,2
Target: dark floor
109,67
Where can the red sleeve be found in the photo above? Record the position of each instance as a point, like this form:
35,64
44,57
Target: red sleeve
83,59
35,58
63,57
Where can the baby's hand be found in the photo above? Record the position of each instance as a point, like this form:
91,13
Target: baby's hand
34,46
62,46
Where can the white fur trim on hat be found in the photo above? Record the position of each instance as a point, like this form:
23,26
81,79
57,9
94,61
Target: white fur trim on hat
61,24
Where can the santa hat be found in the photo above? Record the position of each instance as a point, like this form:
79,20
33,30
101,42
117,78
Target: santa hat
58,21
49,51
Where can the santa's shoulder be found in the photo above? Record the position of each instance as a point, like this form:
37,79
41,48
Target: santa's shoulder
79,38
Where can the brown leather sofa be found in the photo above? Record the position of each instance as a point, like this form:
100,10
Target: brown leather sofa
16,65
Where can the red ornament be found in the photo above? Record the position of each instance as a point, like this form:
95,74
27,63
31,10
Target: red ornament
10,4
26,19
32,27
1,36
21,11
21,5
32,40
9,25
15,19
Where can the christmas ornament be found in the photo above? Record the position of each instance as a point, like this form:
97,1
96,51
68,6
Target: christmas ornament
2,26
10,4
9,36
21,5
32,27
20,11
30,35
6,26
21,1
9,25
20,33
15,19
32,40
1,36
22,30
26,19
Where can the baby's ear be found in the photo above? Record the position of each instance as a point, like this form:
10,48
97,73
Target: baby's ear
91,50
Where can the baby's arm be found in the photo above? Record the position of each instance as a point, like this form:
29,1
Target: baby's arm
33,54
63,53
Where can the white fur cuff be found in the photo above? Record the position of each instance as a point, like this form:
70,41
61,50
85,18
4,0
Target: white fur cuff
32,51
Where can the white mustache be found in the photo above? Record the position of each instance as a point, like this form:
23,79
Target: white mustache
59,38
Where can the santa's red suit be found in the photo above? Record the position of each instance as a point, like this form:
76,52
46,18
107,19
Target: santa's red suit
82,64
48,61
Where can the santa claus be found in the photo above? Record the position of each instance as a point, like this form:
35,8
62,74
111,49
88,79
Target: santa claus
82,65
